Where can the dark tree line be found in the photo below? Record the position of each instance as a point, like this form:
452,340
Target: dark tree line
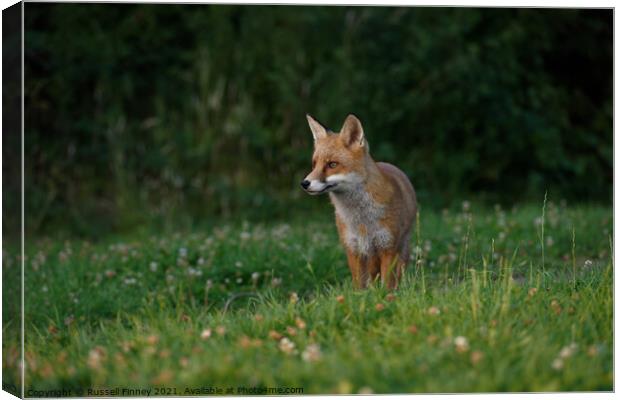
201,108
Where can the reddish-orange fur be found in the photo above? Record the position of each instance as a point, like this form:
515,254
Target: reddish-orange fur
375,203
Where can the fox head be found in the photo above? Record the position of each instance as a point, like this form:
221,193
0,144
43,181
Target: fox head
339,160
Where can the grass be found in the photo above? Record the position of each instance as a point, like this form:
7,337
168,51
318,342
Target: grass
271,305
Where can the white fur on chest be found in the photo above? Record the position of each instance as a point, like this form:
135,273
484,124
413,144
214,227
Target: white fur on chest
361,215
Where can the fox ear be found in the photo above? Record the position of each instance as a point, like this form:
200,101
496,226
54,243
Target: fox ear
318,130
352,132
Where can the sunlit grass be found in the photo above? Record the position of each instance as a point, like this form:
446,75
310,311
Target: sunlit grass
271,305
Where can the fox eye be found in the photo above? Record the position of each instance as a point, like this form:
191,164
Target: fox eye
332,164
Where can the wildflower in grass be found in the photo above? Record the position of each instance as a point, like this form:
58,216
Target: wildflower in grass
461,344
340,299
255,277
532,292
476,356
568,351
44,289
587,264
220,330
379,307
244,342
239,281
52,329
390,297
126,346
169,278
238,264
433,311
276,282
164,377
555,305
466,204
312,353
301,324
152,339
275,335
291,331
185,318
258,317
153,266
245,235
294,298
413,329
110,273
69,320
129,281
183,252
205,334
165,353
184,362
365,390
557,364
286,346
95,357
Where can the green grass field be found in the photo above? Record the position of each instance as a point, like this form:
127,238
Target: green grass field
493,300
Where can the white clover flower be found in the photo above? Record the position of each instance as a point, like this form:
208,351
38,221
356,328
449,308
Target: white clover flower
153,266
286,345
461,344
312,353
205,334
434,310
568,351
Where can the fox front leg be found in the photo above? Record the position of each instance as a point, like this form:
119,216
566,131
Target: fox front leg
391,268
359,265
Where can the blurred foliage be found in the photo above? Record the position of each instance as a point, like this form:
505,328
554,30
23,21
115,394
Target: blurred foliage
140,113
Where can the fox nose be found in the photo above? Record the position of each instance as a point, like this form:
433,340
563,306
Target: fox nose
305,183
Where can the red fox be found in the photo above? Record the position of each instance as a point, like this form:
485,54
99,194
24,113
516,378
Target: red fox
374,201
